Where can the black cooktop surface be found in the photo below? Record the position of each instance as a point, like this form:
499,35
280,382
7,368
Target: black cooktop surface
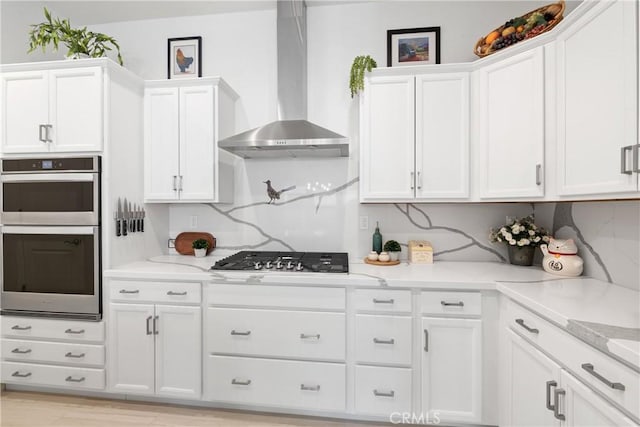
299,262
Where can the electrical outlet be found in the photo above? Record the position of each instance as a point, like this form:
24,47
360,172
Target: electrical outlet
193,221
364,222
171,243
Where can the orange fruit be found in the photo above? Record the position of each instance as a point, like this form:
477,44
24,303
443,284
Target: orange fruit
491,37
520,28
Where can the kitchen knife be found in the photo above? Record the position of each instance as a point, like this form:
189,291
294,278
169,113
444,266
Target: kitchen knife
125,218
118,218
142,215
138,218
132,215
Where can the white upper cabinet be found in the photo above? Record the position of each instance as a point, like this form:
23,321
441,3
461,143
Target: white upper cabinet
597,78
414,136
510,112
58,110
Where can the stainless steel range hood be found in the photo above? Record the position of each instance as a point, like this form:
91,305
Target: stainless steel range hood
292,135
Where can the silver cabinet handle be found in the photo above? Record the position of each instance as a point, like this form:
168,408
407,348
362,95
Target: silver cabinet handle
240,382
74,380
426,340
636,160
556,404
74,331
550,405
244,333
412,182
310,387
452,304
379,341
384,393
177,293
149,325
48,137
532,330
180,185
155,325
623,159
75,356
18,351
383,301
20,328
175,182
590,369
419,181
19,375
308,336
41,133
124,291
538,174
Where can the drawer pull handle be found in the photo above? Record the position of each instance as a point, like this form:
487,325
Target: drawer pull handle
309,336
452,304
19,375
18,351
556,404
590,369
124,291
74,331
383,301
155,325
310,387
20,328
426,340
384,393
240,382
379,341
550,405
149,325
75,356
177,293
245,333
74,380
532,330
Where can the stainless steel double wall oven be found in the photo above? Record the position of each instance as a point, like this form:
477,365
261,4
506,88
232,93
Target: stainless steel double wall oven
51,251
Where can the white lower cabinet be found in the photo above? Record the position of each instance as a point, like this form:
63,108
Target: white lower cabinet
382,391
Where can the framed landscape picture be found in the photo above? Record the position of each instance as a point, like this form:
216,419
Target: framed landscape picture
185,57
413,46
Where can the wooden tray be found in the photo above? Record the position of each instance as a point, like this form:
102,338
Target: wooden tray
185,240
368,261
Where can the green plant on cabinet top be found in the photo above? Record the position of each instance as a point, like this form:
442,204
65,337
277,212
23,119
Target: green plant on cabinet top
359,66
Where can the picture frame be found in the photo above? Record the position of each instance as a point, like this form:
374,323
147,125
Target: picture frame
184,57
413,46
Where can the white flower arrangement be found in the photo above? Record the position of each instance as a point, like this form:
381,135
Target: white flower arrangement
521,232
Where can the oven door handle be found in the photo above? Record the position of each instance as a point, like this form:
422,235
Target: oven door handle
23,229
49,177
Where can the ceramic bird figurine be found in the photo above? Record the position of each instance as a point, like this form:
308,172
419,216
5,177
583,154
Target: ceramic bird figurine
273,194
184,62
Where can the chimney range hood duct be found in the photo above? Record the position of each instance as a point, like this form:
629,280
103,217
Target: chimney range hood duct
292,135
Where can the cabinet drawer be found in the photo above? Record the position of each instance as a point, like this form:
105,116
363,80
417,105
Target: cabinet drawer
587,363
32,327
295,334
383,339
382,391
382,300
278,383
52,352
161,292
58,376
451,303
277,296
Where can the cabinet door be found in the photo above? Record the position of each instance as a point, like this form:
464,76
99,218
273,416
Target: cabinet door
511,127
442,136
583,407
76,112
597,105
387,169
451,369
178,351
161,138
527,376
197,143
24,109
131,348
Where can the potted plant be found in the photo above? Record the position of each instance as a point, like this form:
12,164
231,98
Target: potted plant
200,247
393,248
79,41
359,66
521,236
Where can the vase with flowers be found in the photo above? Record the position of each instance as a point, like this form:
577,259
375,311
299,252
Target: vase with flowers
522,236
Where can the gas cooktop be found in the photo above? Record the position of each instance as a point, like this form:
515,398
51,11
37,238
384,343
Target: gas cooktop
298,262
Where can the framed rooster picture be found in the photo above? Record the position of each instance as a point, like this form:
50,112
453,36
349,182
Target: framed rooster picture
185,57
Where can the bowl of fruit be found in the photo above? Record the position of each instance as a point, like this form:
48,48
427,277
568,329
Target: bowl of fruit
524,27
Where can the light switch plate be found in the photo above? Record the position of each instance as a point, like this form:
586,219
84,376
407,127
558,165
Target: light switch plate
364,222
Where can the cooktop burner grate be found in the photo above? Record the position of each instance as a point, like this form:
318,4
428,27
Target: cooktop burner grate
299,262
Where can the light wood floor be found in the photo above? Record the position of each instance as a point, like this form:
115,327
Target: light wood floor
29,409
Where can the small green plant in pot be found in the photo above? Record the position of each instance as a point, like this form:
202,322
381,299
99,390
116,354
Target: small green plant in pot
79,41
393,248
200,247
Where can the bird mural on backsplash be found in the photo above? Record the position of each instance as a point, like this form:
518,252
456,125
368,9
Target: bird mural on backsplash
273,194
